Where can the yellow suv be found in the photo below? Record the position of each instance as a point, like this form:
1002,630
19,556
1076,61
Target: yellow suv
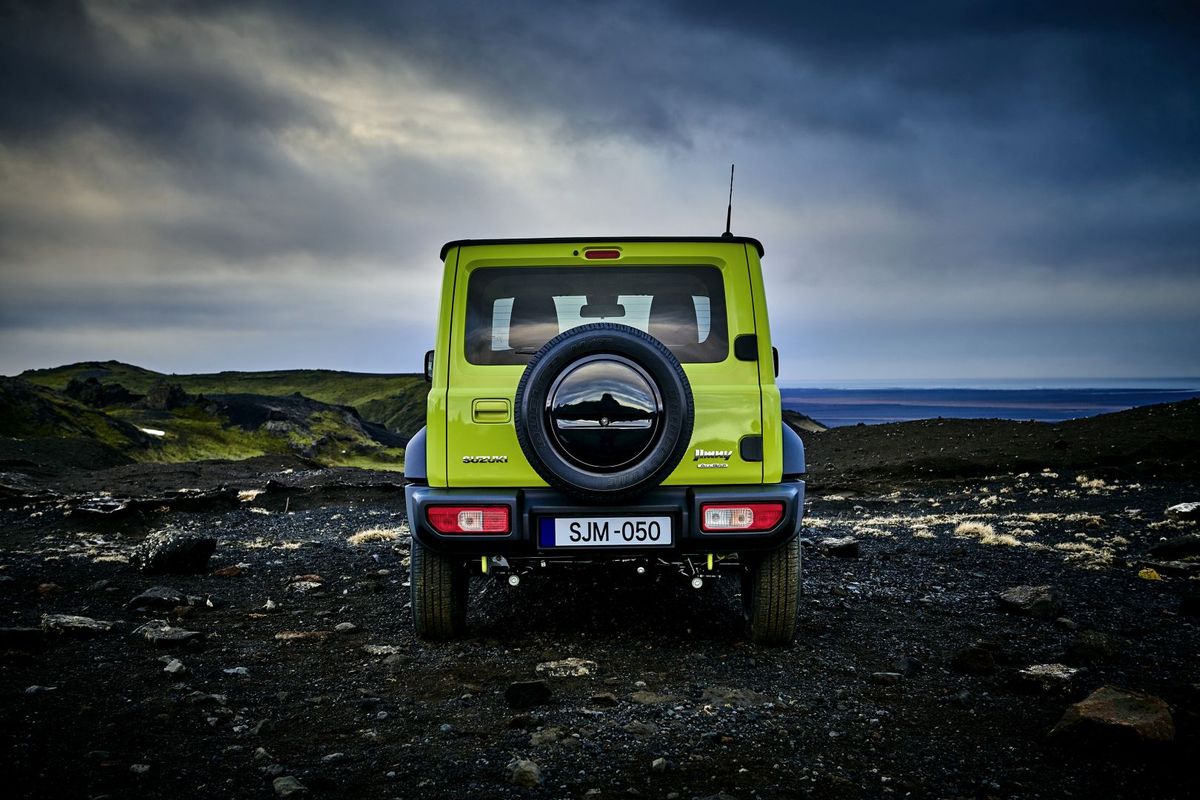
604,400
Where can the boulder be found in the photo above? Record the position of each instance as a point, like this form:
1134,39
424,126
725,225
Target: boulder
1031,601
1118,716
845,547
71,625
1178,547
1184,511
1189,603
567,668
176,552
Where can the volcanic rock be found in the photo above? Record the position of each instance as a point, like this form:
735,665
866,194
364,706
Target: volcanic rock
523,772
71,625
161,633
1177,547
160,597
885,678
176,552
728,696
1031,601
645,698
638,728
567,668
1119,716
845,547
526,694
545,736
287,786
302,636
974,660
1091,647
1184,511
174,666
1045,677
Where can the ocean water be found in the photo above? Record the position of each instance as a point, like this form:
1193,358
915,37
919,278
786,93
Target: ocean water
850,406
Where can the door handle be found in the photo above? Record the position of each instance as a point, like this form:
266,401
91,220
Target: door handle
490,411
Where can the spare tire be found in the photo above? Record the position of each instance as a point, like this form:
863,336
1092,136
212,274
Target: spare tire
604,412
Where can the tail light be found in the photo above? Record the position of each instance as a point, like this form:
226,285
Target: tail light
469,519
738,517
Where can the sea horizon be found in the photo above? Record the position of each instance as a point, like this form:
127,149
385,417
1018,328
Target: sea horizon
870,405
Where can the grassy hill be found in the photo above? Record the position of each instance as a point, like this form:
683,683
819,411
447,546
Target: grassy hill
395,401
28,411
335,418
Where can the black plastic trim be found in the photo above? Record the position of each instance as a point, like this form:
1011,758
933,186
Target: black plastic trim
681,503
751,448
591,241
793,453
745,347
414,458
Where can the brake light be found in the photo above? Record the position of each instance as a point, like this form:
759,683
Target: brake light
602,254
468,519
740,516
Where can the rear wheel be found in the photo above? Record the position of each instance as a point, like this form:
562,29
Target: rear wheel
771,595
438,586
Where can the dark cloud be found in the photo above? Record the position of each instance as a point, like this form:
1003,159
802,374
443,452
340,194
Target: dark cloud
57,69
941,149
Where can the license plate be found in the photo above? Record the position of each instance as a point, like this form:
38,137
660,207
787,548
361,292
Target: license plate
605,532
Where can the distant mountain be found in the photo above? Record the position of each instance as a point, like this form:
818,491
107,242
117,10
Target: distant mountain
155,418
395,401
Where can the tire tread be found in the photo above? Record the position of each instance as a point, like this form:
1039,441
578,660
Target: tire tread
438,588
772,595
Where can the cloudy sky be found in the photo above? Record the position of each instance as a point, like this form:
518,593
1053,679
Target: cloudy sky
947,191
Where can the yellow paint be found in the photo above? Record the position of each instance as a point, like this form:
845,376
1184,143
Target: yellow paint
734,398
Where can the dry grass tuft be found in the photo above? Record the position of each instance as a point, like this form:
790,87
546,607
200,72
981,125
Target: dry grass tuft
976,529
986,534
374,535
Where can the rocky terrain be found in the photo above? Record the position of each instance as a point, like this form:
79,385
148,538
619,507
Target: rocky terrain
990,610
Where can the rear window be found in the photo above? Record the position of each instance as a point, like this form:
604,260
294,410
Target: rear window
511,313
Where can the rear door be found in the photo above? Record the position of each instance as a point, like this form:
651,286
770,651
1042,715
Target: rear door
512,298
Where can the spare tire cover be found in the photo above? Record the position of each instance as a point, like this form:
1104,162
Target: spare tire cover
604,412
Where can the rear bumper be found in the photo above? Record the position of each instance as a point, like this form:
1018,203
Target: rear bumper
527,507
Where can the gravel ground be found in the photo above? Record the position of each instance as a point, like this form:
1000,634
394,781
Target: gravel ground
904,679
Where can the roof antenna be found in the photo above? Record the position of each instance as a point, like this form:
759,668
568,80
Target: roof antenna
729,210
